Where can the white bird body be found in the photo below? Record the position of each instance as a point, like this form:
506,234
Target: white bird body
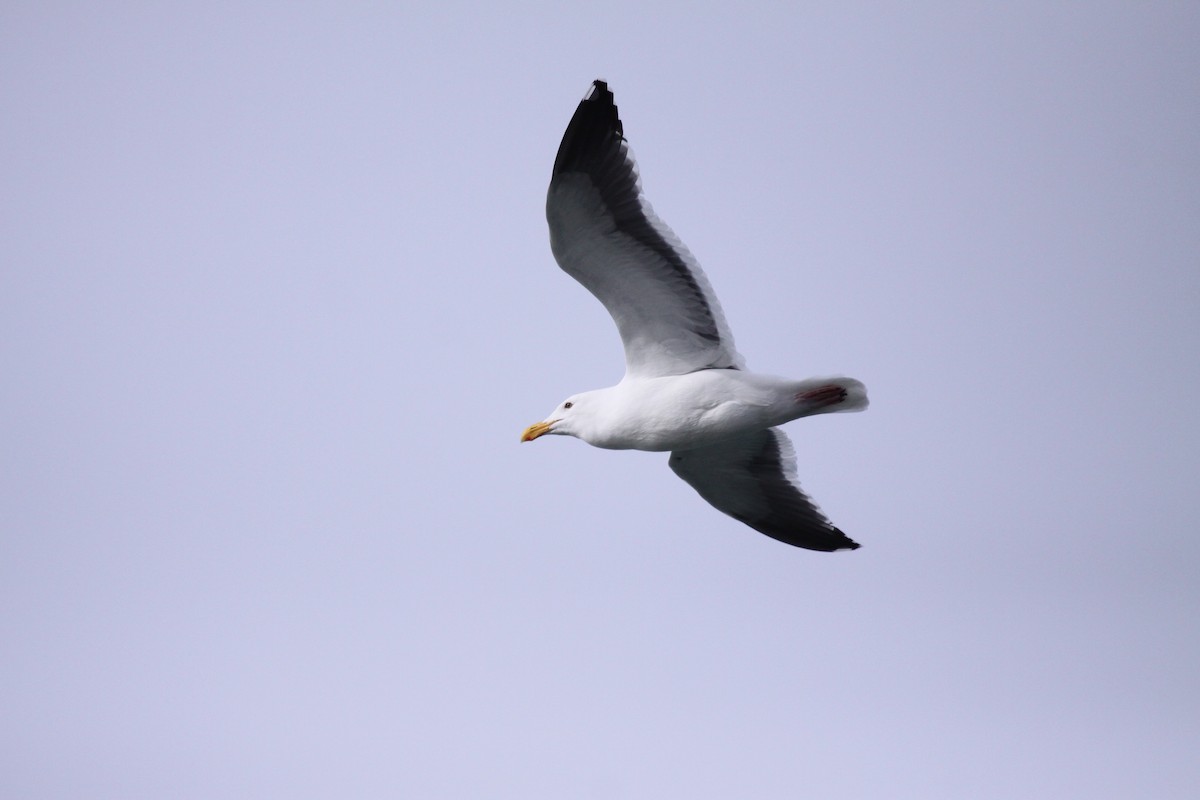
682,412
685,388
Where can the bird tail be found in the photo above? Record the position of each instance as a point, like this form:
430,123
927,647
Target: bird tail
831,395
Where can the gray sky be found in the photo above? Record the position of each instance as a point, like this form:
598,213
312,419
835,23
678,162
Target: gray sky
276,301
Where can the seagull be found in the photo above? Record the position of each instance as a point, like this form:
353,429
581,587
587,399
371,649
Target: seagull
686,389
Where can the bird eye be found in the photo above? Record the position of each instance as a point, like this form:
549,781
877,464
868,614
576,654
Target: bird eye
568,404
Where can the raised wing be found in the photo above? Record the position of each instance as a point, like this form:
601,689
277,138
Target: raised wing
605,235
752,478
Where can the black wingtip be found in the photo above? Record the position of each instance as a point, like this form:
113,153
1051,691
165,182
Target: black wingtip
598,87
591,133
826,540
846,542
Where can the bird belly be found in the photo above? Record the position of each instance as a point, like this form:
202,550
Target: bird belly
685,412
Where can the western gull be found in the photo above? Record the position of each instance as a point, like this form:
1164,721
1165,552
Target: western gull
685,387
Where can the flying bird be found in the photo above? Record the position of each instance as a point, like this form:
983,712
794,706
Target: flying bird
686,389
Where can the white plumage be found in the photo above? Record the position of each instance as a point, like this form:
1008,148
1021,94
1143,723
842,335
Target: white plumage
685,387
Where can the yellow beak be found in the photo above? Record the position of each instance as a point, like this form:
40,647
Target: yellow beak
535,430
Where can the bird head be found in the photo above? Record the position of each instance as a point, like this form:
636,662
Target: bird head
561,422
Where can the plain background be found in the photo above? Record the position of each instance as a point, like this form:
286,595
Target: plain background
276,301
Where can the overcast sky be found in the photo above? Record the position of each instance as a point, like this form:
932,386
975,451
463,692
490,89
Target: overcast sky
276,301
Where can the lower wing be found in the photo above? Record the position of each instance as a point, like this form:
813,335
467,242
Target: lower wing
752,478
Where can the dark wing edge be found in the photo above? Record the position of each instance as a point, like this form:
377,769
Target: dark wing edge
594,145
752,478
